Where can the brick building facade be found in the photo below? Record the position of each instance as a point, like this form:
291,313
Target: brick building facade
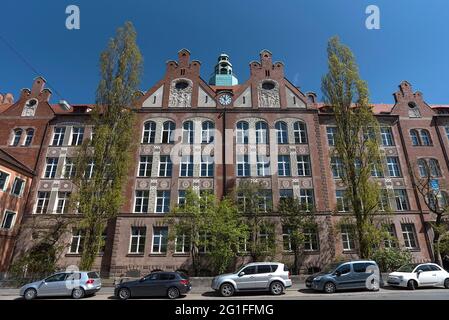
273,133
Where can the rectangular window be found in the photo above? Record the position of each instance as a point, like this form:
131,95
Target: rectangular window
306,199
285,193
137,240
265,200
387,136
76,244
284,166
42,201
391,241
337,167
162,201
401,198
186,166
141,201
4,177
342,202
263,165
50,167
311,241
90,169
286,239
394,169
303,166
77,136
207,166
182,244
17,187
145,165
181,197
409,234
58,136
243,169
384,200
8,220
62,202
241,203
377,170
347,238
165,166
331,135
160,235
69,168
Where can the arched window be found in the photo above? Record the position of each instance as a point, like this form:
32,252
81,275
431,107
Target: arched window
207,132
17,136
281,132
261,132
29,137
300,133
415,137
149,132
422,168
187,132
425,138
434,168
242,132
168,129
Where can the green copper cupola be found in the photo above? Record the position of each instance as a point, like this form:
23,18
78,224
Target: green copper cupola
223,75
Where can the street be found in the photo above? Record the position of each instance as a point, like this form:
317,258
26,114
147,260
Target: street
386,293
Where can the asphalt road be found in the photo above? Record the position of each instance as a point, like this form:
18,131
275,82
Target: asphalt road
386,293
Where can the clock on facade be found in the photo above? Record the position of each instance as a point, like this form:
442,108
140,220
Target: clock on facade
225,99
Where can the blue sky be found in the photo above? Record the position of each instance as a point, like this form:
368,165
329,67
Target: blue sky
412,44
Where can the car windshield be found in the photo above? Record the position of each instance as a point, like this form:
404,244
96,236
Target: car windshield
407,267
331,267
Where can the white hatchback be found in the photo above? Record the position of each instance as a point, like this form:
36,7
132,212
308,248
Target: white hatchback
416,275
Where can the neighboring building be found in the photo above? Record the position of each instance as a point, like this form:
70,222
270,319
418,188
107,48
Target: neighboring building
15,182
266,115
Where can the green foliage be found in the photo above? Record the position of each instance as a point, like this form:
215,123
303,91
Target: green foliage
390,259
207,223
254,213
357,138
100,197
296,218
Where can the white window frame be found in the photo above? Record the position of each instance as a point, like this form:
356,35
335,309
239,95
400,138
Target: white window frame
386,134
160,238
331,132
22,187
347,238
208,163
167,163
284,163
60,136
394,167
63,200
8,176
5,215
150,131
263,165
139,237
300,132
78,236
304,165
183,244
77,136
45,202
186,166
53,165
164,199
144,198
409,235
243,165
207,132
147,166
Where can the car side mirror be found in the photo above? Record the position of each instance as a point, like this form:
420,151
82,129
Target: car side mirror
419,272
241,274
141,279
338,273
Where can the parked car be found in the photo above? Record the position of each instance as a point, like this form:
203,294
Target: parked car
345,275
169,284
75,284
261,276
416,275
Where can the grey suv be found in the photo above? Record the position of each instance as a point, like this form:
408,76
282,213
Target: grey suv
75,284
258,276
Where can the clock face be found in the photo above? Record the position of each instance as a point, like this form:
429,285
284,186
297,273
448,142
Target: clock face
225,99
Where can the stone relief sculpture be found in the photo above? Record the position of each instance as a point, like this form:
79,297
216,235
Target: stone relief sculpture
269,95
180,93
30,108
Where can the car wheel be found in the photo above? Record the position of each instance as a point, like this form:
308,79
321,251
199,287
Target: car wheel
173,293
30,294
446,283
124,294
78,293
276,288
412,285
226,289
329,287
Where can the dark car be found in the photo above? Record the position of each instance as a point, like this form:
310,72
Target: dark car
157,284
360,274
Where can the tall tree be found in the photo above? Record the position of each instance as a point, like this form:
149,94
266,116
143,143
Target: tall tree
297,218
253,206
103,162
436,201
357,145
